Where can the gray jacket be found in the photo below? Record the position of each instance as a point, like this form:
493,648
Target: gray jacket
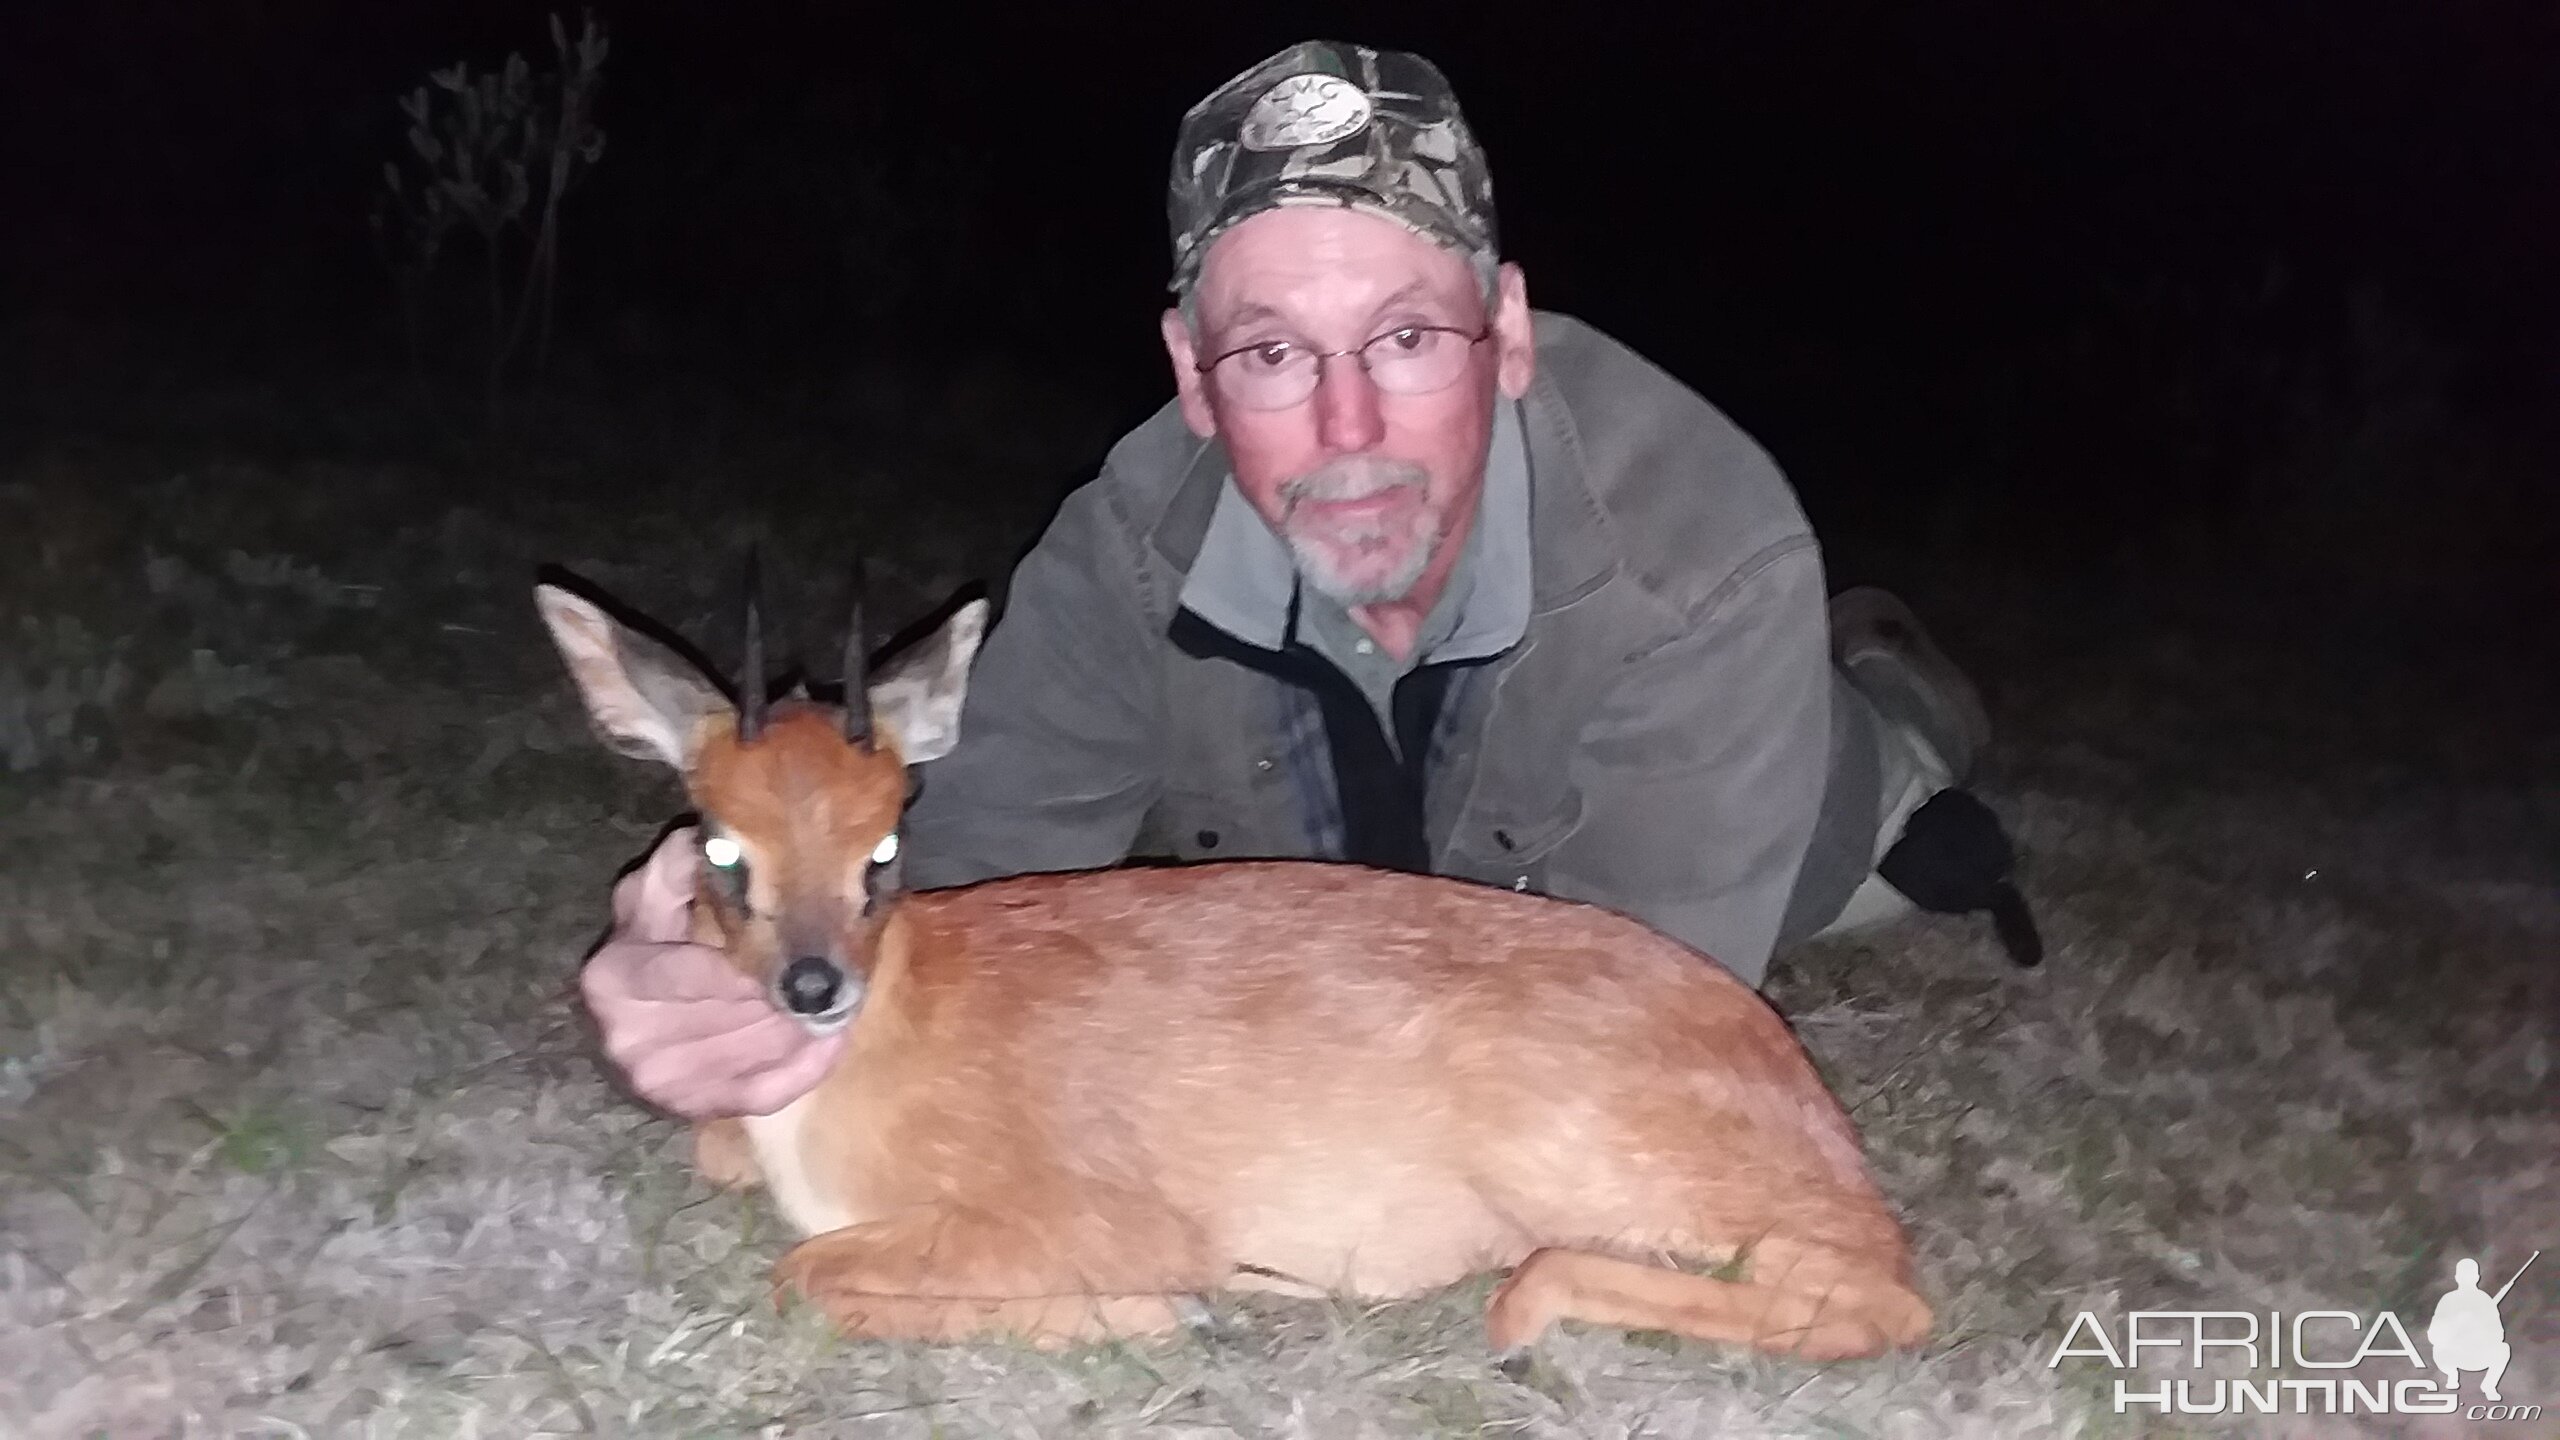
1659,742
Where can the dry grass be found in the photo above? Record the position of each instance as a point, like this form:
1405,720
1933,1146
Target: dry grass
301,1132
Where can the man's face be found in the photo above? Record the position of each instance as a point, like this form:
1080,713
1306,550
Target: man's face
1371,489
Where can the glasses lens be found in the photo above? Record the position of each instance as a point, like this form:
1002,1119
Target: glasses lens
1416,360
1267,377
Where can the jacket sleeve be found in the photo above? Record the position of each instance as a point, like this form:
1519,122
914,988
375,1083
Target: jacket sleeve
1056,762
1702,774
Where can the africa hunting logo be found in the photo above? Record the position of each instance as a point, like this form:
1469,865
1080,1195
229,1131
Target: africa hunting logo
2464,1337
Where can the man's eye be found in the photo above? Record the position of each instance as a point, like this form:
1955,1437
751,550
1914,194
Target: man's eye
1409,338
1270,356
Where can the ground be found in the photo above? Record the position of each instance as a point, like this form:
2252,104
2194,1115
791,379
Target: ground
303,1133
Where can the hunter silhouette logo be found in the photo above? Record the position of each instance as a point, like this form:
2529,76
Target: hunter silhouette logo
2465,1333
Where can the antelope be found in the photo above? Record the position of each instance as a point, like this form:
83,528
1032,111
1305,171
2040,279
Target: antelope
1069,1104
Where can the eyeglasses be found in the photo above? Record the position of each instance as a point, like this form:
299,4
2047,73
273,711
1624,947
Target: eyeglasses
1408,360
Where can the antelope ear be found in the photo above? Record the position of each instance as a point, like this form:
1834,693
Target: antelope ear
916,697
646,700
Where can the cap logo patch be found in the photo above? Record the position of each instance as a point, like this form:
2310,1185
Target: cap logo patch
1305,110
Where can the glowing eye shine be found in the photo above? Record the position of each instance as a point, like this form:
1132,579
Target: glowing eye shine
886,850
720,850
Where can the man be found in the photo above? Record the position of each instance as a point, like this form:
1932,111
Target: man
1406,575
2465,1332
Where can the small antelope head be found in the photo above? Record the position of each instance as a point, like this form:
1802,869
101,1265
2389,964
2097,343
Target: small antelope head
800,801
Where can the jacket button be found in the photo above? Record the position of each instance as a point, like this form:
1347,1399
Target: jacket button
1503,839
1208,839
1263,764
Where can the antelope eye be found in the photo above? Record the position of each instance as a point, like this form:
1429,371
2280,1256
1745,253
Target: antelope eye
886,850
722,851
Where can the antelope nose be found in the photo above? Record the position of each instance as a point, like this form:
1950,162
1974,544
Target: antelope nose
811,985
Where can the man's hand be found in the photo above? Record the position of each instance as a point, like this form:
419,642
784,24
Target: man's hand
691,1034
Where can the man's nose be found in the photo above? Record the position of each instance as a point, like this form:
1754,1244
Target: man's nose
1346,402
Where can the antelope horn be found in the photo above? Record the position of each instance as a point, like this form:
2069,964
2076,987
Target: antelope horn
857,672
751,677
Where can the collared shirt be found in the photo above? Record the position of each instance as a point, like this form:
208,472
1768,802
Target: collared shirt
1328,628
1245,582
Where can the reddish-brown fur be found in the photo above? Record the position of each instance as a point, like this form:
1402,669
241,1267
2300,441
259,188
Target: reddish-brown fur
1068,1101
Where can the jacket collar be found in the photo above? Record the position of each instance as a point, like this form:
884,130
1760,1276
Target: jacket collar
1574,549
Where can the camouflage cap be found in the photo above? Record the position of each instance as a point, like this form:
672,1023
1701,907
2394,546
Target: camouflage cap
1328,123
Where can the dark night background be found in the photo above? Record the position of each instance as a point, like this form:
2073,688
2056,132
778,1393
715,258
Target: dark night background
2122,288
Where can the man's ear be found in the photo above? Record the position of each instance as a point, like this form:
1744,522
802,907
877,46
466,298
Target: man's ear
1188,383
1515,344
647,701
916,697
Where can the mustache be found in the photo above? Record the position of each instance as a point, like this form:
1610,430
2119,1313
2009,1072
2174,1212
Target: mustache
1350,477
